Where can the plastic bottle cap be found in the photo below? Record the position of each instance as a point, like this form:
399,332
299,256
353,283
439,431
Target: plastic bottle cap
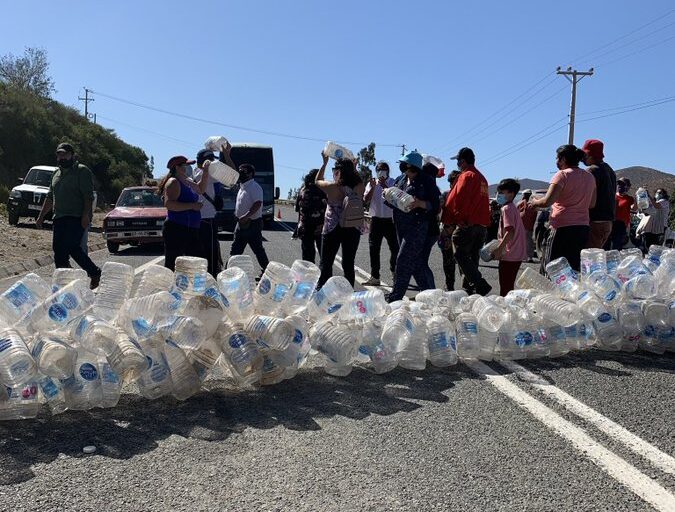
89,449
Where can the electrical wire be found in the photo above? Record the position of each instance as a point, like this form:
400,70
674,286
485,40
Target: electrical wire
603,64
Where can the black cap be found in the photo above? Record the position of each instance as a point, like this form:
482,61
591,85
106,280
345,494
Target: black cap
205,154
464,154
64,147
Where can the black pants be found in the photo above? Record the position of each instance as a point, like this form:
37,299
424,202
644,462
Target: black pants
310,241
649,239
180,240
251,235
424,276
349,239
380,228
617,238
468,241
66,243
566,242
208,234
449,265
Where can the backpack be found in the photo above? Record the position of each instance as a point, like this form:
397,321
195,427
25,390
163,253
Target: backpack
352,209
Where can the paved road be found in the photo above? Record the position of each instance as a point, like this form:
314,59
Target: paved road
592,431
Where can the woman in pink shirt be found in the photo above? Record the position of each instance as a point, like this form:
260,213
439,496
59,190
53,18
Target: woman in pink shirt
570,195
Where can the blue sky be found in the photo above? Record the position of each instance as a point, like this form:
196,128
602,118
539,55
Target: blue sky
422,73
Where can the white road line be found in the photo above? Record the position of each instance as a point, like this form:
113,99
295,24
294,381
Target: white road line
661,460
140,269
616,467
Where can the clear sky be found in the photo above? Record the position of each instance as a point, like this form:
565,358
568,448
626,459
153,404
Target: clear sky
422,73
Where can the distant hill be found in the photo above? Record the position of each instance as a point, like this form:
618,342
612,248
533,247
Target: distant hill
524,183
647,177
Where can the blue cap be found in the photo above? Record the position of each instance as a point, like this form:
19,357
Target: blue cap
413,158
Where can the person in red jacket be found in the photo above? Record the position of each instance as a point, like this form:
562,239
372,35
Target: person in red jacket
466,215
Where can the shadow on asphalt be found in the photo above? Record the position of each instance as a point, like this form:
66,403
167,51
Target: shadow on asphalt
136,425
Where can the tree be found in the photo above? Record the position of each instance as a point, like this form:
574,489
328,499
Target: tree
290,194
366,158
28,72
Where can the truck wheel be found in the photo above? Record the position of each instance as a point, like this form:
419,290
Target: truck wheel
113,247
13,217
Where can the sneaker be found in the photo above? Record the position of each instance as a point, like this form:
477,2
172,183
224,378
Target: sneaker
483,288
372,282
93,282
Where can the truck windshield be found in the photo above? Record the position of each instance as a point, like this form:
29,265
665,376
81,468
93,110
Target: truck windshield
38,177
146,198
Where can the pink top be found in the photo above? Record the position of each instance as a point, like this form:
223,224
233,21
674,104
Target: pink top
571,208
516,249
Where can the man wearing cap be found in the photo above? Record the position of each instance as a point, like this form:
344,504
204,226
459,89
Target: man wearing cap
603,213
71,195
412,226
466,215
210,190
381,223
528,214
248,210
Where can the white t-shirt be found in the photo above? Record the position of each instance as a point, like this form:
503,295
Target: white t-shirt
249,193
377,206
208,211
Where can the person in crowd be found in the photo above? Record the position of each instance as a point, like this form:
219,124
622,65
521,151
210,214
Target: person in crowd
493,228
445,240
466,215
655,221
248,211
381,223
528,214
71,196
343,193
183,219
602,214
621,225
571,194
512,248
424,276
210,190
311,207
541,229
412,227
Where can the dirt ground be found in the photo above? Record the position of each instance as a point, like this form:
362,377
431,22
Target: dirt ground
18,242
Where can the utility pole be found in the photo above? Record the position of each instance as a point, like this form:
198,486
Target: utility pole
577,76
86,100
402,149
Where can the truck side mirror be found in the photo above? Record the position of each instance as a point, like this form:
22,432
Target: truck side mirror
277,192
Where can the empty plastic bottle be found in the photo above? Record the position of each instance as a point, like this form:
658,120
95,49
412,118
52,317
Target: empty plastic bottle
155,278
530,279
204,357
155,381
658,334
59,310
337,370
111,384
190,275
223,173
83,388
414,354
606,327
52,393
556,310
552,335
330,298
273,289
305,275
442,341
24,295
273,367
336,151
630,267
185,380
63,276
468,342
16,363
114,288
22,402
632,323
299,349
185,331
490,316
642,198
365,305
207,310
235,288
215,142
140,317
243,356
604,286
54,356
454,299
270,332
398,198
337,342
244,262
93,333
592,260
642,286
563,277
126,357
487,250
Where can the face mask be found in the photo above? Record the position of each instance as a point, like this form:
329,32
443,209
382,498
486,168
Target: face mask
658,196
65,162
403,167
501,199
622,190
188,171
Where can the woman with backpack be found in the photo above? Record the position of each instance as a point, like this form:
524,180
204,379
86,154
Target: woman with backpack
311,207
344,217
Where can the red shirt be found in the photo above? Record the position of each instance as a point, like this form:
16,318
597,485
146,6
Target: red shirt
623,205
528,214
468,202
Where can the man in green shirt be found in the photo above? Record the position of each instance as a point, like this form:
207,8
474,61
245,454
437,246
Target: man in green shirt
71,194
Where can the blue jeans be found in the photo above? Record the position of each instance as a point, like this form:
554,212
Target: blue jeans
412,234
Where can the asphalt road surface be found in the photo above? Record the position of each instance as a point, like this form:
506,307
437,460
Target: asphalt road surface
591,431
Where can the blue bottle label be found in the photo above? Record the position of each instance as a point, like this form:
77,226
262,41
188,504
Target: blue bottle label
303,290
88,372
523,338
264,286
237,341
58,313
69,301
5,343
18,295
604,318
280,292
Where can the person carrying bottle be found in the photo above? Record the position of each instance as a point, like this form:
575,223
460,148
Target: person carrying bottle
528,214
466,214
412,226
445,240
311,208
71,196
342,224
248,211
381,223
621,226
183,219
655,221
603,213
210,189
424,276
512,248
571,194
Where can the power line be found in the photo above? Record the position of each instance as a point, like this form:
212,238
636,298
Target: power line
626,106
168,137
232,126
667,100
602,64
